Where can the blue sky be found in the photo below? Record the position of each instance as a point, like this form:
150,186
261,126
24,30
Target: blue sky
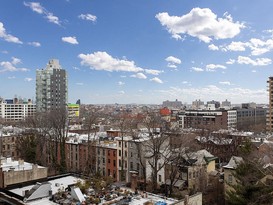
140,51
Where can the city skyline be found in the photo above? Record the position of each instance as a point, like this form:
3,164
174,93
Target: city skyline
138,51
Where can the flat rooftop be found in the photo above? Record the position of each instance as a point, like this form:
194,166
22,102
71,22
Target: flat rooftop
56,184
63,182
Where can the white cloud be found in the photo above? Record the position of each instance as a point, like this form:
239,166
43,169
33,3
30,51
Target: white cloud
171,65
197,69
11,77
174,60
139,75
237,46
88,17
253,71
34,43
213,67
200,23
16,61
224,83
38,8
153,72
256,46
121,83
103,61
28,79
255,62
177,37
70,39
8,66
185,82
79,84
7,37
213,47
35,6
121,92
259,47
157,80
53,19
231,61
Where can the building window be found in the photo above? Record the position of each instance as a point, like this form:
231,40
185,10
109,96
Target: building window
119,153
109,161
114,163
119,162
131,166
159,178
230,178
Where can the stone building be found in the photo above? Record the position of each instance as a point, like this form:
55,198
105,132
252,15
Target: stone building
14,172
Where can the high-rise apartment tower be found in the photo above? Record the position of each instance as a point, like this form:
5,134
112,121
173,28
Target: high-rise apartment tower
269,121
51,87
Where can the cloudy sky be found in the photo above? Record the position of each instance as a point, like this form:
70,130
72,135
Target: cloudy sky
140,51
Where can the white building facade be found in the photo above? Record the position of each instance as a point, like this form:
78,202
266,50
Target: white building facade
15,112
232,119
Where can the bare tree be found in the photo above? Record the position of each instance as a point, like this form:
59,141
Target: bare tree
38,127
123,122
90,120
181,148
51,130
157,147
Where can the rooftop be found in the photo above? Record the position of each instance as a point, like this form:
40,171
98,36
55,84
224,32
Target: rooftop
8,164
233,162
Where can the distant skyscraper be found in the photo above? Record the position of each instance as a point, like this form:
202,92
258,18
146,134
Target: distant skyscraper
51,87
213,102
269,121
198,104
172,104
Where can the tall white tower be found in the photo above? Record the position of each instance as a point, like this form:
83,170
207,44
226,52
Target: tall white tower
51,87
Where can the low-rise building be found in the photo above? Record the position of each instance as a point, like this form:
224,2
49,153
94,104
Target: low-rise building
14,172
248,116
229,170
216,119
196,169
73,112
16,110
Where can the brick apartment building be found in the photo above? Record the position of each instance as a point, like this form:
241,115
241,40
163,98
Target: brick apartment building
216,119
